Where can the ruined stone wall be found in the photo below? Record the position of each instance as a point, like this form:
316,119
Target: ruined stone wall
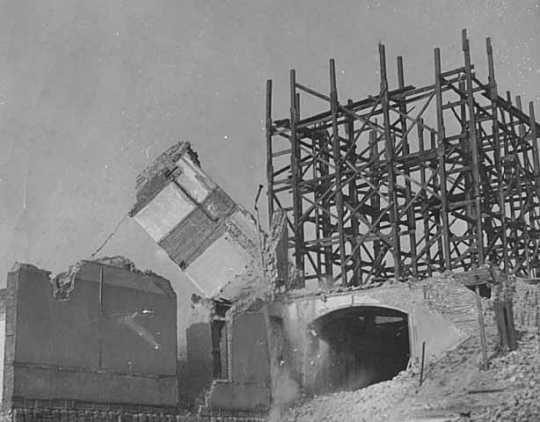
110,344
248,387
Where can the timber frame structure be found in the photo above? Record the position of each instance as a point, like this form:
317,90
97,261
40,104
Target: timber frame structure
410,181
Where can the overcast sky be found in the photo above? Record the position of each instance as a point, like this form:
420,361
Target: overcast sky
90,91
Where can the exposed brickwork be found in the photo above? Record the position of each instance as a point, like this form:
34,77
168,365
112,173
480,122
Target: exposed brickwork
452,299
527,305
99,415
199,229
191,237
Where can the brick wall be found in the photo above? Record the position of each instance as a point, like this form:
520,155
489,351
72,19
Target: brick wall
448,295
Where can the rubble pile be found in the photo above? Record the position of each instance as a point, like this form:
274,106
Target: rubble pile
370,404
508,391
518,374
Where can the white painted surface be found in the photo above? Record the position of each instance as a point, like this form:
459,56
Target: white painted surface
246,224
439,333
193,180
219,264
164,212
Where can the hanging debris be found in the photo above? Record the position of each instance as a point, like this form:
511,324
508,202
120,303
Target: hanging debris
64,283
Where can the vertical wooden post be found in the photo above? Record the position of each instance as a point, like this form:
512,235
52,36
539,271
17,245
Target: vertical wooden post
479,243
269,157
411,221
524,201
326,229
482,327
422,362
353,195
498,152
441,150
389,148
425,206
465,146
498,307
375,198
296,194
534,140
337,162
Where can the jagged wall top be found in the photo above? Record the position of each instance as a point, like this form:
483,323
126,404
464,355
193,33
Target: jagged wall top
156,175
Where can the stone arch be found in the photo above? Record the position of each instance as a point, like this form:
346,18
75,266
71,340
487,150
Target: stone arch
353,345
320,312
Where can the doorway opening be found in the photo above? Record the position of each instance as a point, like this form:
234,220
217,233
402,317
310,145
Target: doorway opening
354,347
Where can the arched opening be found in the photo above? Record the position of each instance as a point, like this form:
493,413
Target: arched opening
357,346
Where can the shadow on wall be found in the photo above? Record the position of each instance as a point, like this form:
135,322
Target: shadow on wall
195,375
354,347
228,368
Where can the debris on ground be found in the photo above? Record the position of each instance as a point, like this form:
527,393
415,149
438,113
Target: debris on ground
455,389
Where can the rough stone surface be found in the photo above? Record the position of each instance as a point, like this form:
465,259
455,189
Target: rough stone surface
527,304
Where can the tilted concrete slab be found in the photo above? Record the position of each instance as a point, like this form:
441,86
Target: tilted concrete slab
212,239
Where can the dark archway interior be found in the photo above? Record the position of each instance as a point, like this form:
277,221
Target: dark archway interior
483,289
358,346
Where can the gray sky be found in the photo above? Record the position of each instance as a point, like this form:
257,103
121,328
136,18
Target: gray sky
90,91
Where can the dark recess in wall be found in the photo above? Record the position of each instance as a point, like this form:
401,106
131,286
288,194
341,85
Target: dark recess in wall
365,345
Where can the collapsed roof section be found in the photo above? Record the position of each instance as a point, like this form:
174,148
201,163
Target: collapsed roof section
212,239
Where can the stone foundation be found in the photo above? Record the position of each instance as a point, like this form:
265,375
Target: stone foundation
72,415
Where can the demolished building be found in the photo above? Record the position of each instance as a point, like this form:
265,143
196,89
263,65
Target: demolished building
377,194
391,218
219,247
